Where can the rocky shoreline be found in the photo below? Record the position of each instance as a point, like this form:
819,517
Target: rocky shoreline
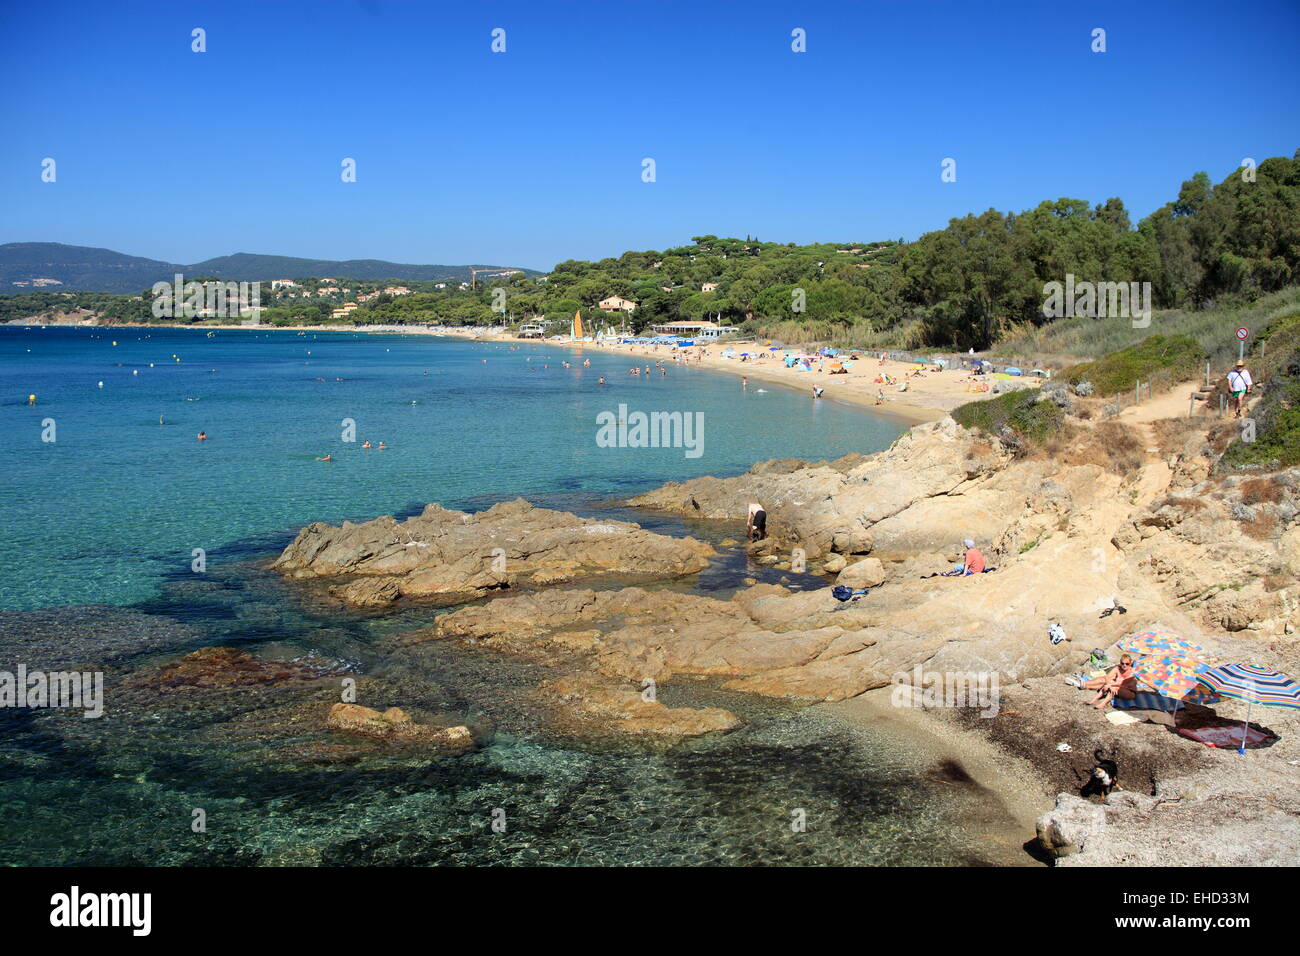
599,617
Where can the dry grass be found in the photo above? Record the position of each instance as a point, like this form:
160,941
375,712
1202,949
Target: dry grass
1185,504
1221,436
1172,435
1261,528
1257,490
1112,446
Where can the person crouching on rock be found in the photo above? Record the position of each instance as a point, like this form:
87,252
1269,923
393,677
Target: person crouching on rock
756,523
1120,682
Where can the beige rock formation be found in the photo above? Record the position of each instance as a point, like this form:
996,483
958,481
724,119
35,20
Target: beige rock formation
452,557
867,573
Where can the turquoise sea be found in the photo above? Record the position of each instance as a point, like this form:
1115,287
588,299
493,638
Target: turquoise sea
96,573
118,502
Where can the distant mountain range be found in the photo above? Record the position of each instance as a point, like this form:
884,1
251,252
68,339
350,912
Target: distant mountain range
24,264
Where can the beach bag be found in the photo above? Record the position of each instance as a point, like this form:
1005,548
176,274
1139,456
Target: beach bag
1056,633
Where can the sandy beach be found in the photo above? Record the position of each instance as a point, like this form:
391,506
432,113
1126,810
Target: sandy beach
931,392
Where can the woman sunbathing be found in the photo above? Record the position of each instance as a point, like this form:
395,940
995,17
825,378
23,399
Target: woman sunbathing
1120,682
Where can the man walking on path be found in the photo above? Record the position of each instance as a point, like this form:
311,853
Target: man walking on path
1239,384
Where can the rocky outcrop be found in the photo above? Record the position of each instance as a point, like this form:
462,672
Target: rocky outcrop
1069,826
452,557
1239,813
1226,550
845,506
801,647
867,573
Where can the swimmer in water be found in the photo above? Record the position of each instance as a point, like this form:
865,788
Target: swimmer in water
602,380
366,445
203,436
326,458
383,447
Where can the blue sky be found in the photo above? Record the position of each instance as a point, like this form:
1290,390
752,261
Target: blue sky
534,155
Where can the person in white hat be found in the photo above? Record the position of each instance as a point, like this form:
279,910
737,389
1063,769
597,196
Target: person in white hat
1239,384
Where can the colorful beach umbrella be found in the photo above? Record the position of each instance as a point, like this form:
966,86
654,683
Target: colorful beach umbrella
1202,696
1254,685
1159,644
1171,676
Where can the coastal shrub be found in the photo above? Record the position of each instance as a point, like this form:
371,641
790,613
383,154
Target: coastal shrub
1166,358
1068,340
1025,413
1059,393
1083,389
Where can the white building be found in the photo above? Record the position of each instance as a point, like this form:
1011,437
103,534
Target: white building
616,302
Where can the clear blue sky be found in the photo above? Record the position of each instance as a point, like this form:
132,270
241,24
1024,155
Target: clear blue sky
534,155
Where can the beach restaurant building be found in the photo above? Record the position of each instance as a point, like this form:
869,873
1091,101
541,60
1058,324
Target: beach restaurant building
695,330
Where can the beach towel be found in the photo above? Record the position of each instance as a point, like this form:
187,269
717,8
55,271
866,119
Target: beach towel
1229,738
1120,718
1146,700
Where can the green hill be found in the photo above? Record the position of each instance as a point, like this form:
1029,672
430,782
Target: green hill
82,268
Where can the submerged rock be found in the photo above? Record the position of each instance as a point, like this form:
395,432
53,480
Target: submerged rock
396,725
453,557
624,709
226,667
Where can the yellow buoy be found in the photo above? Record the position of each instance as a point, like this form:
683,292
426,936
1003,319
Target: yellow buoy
31,399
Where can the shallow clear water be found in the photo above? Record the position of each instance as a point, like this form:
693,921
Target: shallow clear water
117,501
95,566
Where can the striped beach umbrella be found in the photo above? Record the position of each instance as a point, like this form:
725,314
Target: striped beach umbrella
1254,685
